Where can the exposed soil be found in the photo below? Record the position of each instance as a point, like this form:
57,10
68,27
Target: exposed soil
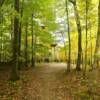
50,82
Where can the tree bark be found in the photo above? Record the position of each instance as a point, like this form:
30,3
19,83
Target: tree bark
33,61
69,54
1,35
20,31
86,36
79,58
26,44
97,48
14,74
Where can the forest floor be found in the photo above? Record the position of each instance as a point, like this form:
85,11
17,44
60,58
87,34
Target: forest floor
50,82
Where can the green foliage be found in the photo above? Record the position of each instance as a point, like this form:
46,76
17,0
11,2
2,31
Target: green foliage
43,14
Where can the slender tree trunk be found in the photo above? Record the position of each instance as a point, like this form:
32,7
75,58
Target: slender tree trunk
91,48
11,32
78,65
14,74
86,37
1,35
20,31
26,44
97,48
69,54
33,62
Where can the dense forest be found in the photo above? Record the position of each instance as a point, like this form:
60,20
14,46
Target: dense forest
49,49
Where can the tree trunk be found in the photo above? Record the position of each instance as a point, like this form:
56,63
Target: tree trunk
78,65
91,48
20,31
1,35
86,37
26,44
69,54
14,73
33,61
97,48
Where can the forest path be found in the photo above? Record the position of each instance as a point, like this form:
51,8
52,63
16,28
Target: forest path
50,82
46,84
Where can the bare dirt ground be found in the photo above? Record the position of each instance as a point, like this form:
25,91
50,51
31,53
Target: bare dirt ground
50,82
